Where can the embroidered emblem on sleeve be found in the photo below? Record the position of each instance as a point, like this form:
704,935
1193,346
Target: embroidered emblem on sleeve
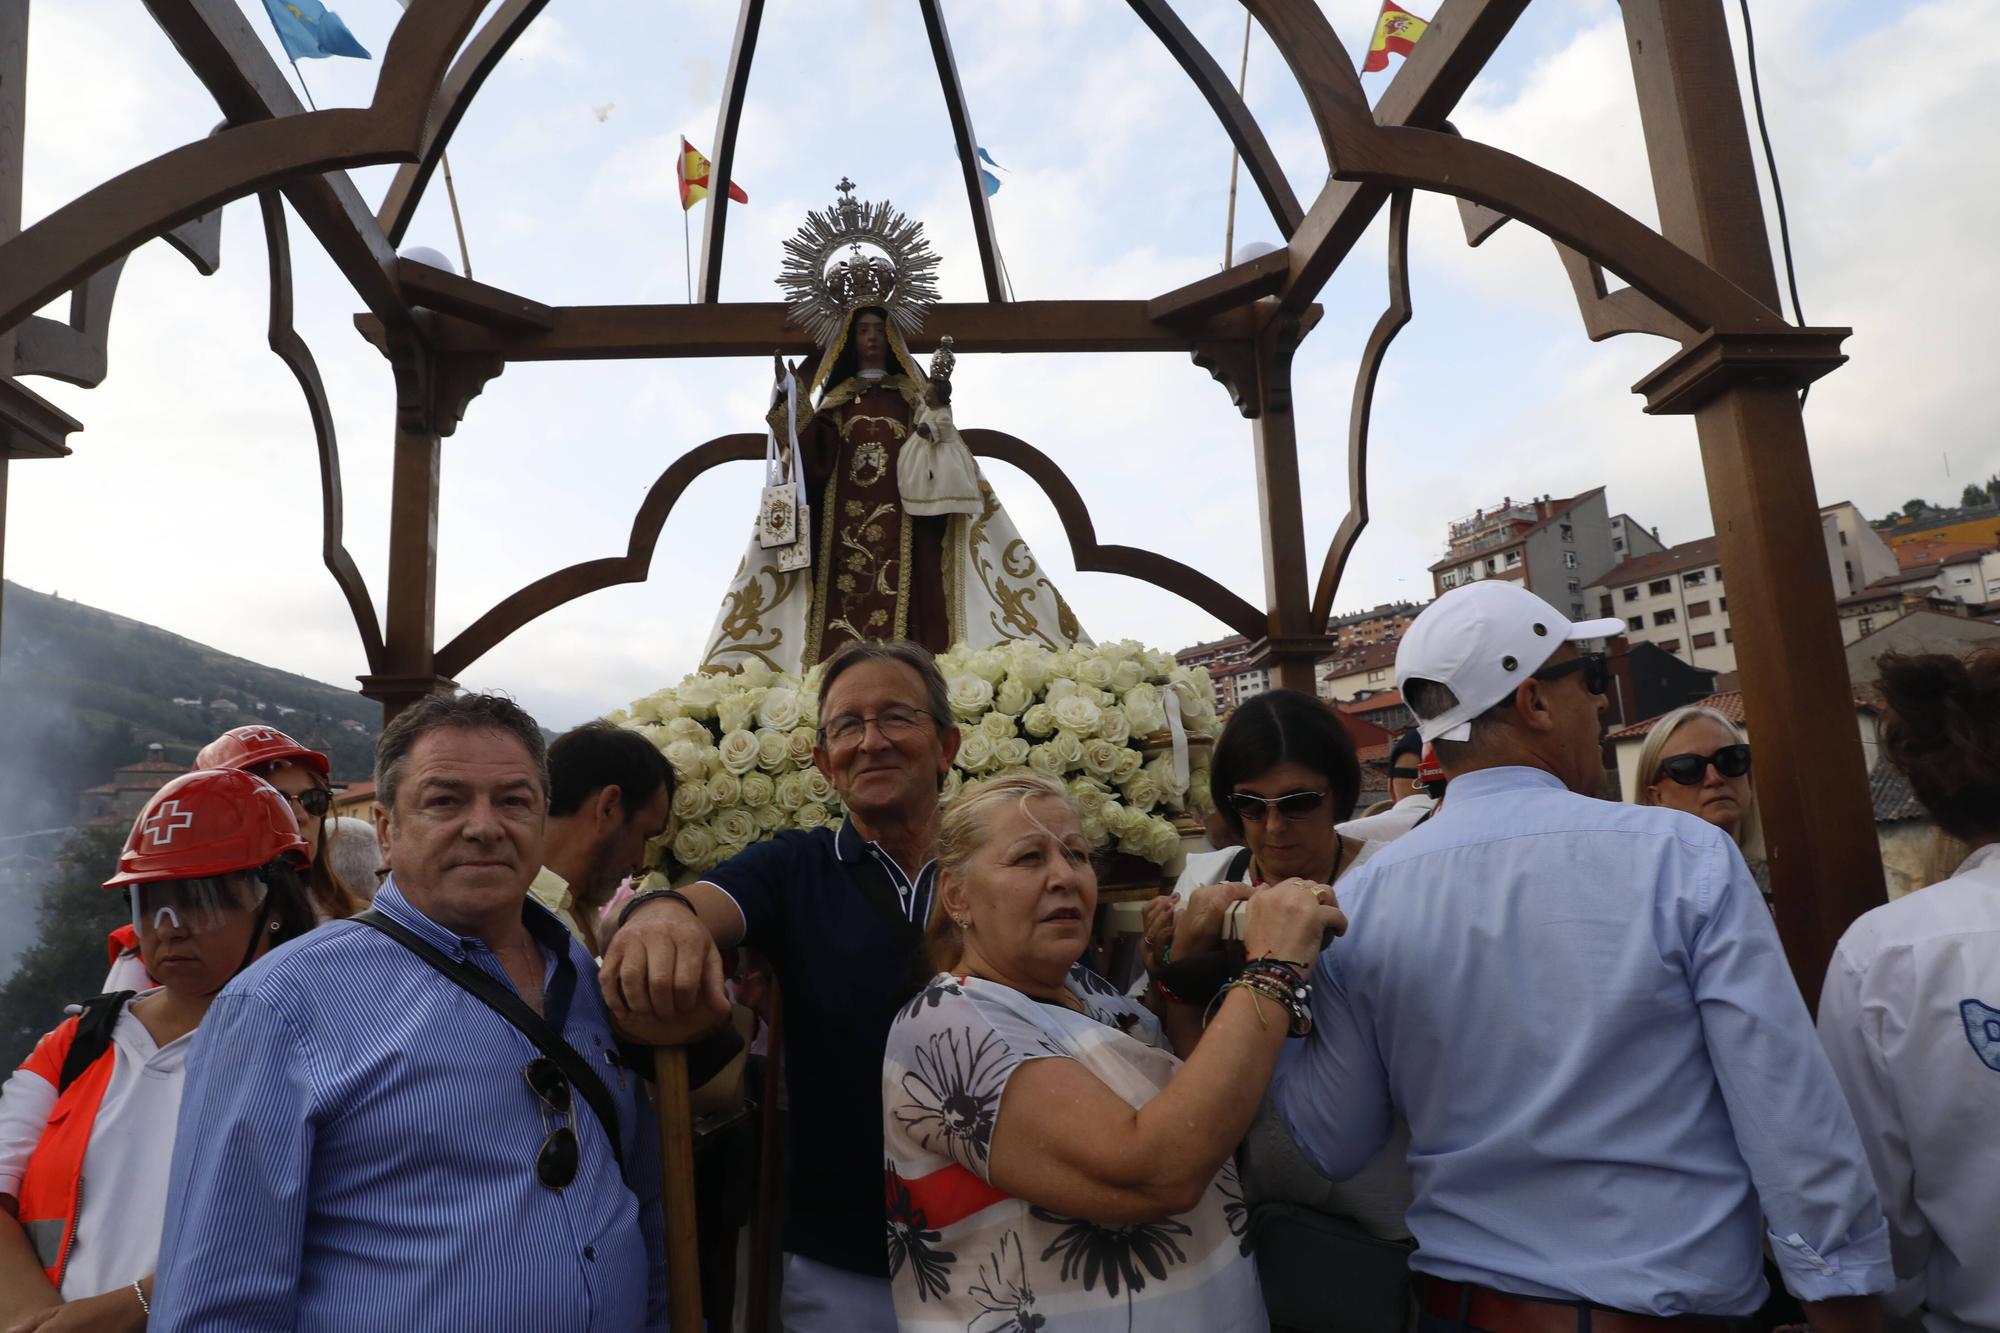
1982,1029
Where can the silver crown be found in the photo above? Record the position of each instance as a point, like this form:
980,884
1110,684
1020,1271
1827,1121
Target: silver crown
821,290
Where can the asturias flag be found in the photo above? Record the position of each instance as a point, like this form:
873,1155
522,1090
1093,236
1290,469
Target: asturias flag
693,172
310,30
1397,30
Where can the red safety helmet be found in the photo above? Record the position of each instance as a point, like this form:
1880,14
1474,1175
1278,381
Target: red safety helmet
209,822
1429,769
255,746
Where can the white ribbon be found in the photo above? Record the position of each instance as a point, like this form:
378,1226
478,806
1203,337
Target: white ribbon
1172,699
774,463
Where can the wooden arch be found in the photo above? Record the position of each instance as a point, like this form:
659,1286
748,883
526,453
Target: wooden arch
1703,280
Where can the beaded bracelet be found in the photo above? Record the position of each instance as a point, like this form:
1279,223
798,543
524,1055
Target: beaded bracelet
649,896
1274,979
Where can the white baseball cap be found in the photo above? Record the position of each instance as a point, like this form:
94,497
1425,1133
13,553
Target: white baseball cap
1483,640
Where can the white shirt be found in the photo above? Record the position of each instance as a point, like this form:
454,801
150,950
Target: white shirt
1392,823
1911,1018
126,1165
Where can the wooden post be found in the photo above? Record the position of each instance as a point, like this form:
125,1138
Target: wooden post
1281,510
13,131
1812,789
676,1117
764,1222
410,624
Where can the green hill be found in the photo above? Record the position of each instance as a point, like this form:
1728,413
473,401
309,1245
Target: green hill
83,691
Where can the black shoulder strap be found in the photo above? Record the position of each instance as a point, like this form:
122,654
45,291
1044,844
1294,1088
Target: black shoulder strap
93,1036
1239,865
879,892
515,1010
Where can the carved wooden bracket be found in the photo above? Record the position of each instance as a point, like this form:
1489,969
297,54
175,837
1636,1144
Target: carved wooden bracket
1257,371
30,425
434,388
1793,358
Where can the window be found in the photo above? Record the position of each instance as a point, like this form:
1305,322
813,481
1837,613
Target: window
1513,559
1381,673
1569,559
1604,604
1848,565
1636,622
1670,645
1867,624
1722,603
1704,641
1575,587
1718,573
1666,617
1617,543
1962,580
1660,587
1694,578
1576,610
1696,610
1728,635
1490,566
1632,593
1843,538
1568,532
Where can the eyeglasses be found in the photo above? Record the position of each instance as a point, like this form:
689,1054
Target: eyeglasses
315,801
1292,805
895,724
556,1163
1731,761
1597,672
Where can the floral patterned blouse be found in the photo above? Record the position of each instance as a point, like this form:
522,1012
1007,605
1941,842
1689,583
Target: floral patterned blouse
965,1257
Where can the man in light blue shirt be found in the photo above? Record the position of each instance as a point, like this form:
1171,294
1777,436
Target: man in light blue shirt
1613,1090
364,1144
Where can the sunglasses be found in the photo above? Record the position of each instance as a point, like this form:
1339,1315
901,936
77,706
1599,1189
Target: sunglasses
556,1163
1596,672
315,801
1403,774
1292,805
1731,761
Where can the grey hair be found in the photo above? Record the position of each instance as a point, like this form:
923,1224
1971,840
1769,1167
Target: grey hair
1429,698
352,855
1654,752
912,655
465,712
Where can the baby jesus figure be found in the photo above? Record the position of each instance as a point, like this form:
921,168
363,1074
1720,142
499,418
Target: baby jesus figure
934,469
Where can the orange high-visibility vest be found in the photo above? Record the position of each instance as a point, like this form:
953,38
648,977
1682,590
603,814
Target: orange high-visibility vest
52,1186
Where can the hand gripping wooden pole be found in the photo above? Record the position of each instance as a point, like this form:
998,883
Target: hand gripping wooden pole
669,1039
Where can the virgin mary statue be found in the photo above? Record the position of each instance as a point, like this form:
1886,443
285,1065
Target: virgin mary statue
878,524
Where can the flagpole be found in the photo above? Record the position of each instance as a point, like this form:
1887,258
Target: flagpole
301,75
1229,232
458,223
687,264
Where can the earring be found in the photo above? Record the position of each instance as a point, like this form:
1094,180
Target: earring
962,922
275,927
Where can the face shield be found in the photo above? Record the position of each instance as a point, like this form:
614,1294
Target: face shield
196,905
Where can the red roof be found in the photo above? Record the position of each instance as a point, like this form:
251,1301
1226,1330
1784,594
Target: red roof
1688,555
1911,554
1373,703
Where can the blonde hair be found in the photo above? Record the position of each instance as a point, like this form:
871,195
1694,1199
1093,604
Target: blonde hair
967,823
1654,752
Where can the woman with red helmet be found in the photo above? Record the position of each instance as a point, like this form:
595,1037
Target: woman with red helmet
212,870
300,775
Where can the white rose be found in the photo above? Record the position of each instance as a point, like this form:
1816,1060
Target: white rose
990,664
1044,759
694,846
1166,841
733,712
811,815
1012,696
1068,749
975,753
953,780
791,792
818,790
738,752
1100,758
1077,715
1039,721
1060,688
1031,667
769,818
711,762
774,749
687,729
1094,672
779,711
1128,764
1125,675
686,757
1010,753
697,695
1115,725
758,790
1094,831
970,695
734,827
799,745
754,672
1087,792
997,726
692,802
1120,650
724,790
1145,712
1140,792
1200,797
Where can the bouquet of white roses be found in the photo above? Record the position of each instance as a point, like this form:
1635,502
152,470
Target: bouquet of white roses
1122,725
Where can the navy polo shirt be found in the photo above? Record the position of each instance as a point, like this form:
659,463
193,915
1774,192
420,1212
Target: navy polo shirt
845,969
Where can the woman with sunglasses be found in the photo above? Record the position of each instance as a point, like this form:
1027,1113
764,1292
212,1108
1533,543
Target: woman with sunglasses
211,870
1697,761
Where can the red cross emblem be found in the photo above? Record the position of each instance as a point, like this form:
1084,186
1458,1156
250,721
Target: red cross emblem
165,822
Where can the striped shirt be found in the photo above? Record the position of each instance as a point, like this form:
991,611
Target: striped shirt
357,1145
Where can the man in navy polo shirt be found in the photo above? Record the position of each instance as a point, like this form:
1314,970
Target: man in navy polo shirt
840,914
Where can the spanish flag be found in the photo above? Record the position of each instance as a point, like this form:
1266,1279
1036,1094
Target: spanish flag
1397,30
693,172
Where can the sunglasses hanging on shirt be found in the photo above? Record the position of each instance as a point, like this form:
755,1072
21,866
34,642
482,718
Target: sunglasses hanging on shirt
556,1164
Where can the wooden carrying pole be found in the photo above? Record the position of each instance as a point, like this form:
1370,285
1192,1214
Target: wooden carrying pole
676,1116
763,1223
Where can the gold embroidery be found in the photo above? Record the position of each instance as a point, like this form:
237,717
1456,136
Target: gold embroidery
870,459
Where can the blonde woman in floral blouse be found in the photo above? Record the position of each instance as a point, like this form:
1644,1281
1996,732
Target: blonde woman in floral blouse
1053,1166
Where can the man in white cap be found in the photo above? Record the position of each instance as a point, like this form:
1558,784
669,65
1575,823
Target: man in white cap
1613,1091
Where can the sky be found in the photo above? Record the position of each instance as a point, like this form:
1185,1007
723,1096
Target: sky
191,500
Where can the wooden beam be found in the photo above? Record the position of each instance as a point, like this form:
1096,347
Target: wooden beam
444,291
217,43
722,152
1238,285
1463,35
968,146
602,333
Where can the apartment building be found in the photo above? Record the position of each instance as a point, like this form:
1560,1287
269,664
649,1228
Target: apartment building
1856,554
1977,523
1673,598
1555,548
1385,624
1220,656
1238,683
1346,676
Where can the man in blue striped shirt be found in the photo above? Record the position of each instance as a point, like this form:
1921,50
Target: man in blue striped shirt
364,1144
1614,1094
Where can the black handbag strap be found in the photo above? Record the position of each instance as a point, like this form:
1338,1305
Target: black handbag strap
504,1002
872,881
